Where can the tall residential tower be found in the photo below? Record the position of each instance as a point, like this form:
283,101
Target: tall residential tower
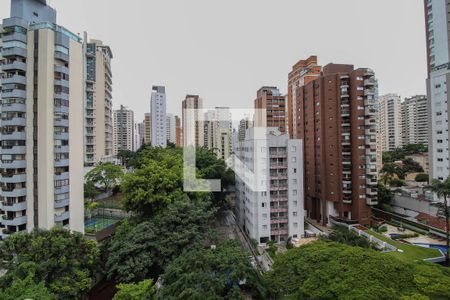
98,106
41,122
158,117
437,15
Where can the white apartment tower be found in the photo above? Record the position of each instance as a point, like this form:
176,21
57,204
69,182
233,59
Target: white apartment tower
98,105
415,120
158,117
390,118
123,130
41,121
171,128
437,15
269,185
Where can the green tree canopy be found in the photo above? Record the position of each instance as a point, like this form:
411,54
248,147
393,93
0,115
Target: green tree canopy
24,289
105,175
65,262
322,270
342,235
139,251
144,290
149,189
211,274
422,177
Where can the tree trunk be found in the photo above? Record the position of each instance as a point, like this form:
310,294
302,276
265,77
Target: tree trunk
446,231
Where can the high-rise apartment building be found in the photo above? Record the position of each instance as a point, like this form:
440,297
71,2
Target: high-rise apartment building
269,185
244,124
98,106
390,118
415,120
123,130
193,128
139,133
171,130
437,15
218,132
158,119
148,128
303,72
178,132
337,122
41,141
270,102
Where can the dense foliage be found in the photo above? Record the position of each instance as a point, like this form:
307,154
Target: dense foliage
342,235
401,153
327,270
221,273
144,290
142,250
64,262
23,289
105,176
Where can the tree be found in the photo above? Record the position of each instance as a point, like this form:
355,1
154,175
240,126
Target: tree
422,177
105,175
342,235
133,253
90,191
23,289
328,270
151,188
222,273
144,290
142,250
442,190
389,170
384,196
65,262
411,166
127,157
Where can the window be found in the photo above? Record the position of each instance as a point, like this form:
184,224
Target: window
12,44
264,227
294,159
293,149
295,170
295,225
294,213
294,192
264,216
263,204
294,181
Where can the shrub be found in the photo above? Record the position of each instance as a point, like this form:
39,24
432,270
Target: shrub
422,177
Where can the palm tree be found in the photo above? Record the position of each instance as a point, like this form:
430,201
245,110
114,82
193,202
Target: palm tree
388,170
442,190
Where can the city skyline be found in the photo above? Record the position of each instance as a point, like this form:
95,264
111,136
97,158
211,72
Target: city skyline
195,59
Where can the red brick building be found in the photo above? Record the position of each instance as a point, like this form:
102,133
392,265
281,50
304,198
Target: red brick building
336,118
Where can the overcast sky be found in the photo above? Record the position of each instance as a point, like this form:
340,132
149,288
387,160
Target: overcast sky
226,50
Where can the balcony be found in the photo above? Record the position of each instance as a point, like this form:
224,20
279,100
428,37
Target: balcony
14,79
13,192
279,209
62,217
370,82
62,203
61,149
279,232
278,166
17,178
279,198
61,56
279,220
62,190
370,111
369,92
61,135
278,187
15,65
372,201
13,164
13,150
13,136
15,36
15,93
278,154
14,221
14,51
62,176
13,207
14,107
279,176
61,162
